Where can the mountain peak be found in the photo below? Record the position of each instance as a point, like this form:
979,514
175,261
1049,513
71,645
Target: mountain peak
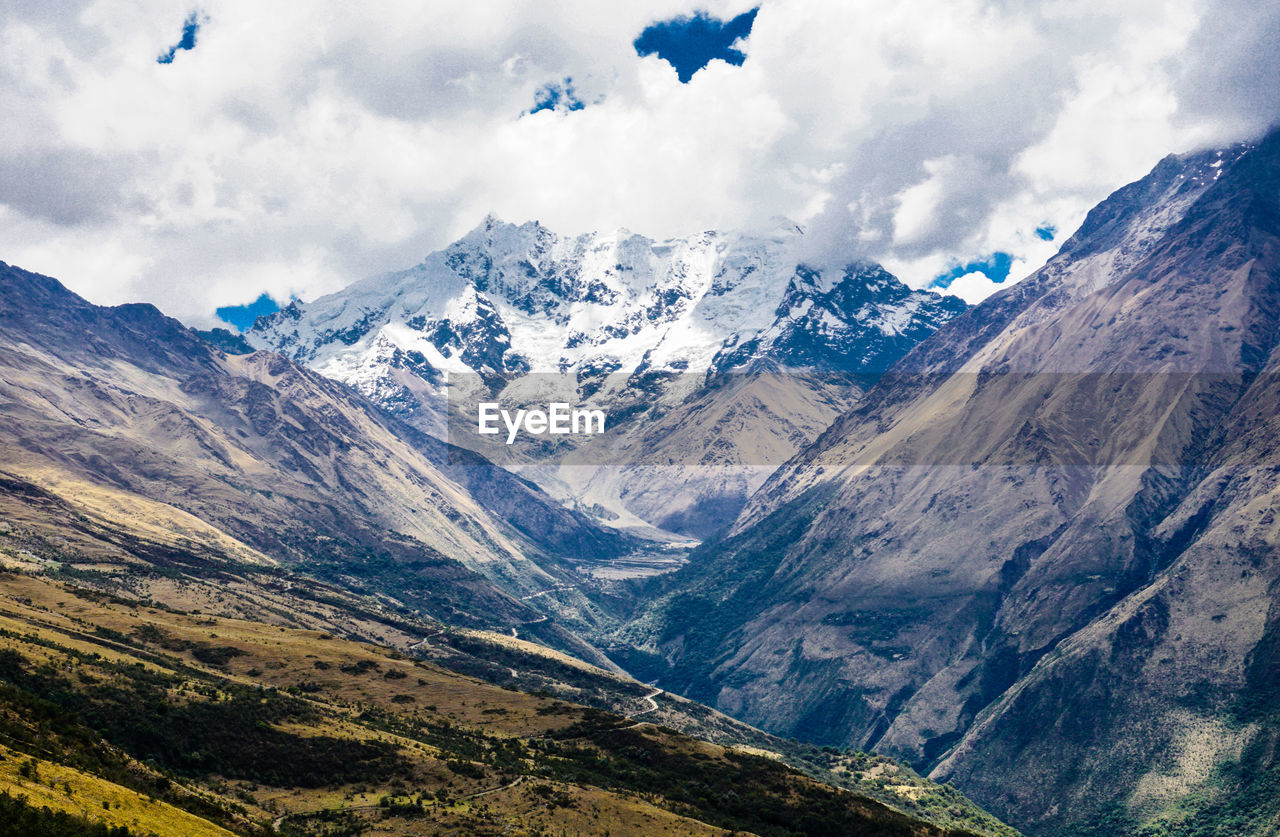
621,318
563,304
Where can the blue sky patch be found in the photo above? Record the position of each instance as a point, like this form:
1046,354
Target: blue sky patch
556,96
995,267
243,316
690,43
189,28
1046,232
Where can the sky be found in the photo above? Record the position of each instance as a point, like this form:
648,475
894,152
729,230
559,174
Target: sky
199,155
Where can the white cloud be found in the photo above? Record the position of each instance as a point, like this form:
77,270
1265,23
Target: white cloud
302,145
974,287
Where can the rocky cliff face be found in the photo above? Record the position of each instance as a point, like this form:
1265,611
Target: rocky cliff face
626,323
1039,556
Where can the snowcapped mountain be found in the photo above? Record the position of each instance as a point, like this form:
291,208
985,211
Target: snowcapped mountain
632,324
862,322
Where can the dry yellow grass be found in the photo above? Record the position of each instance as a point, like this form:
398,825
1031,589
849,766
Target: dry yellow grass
521,811
61,788
272,655
144,518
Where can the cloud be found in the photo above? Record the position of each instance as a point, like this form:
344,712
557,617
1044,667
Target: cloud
65,186
995,267
973,287
304,145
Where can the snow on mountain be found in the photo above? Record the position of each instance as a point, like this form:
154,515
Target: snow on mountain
507,300
515,312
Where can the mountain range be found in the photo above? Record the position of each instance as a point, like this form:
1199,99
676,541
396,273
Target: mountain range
1028,547
187,529
143,427
646,330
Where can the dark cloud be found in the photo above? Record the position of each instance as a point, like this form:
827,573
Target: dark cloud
691,43
1230,71
65,187
62,21
863,219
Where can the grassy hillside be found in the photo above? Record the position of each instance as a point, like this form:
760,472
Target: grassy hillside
534,668
131,714
128,598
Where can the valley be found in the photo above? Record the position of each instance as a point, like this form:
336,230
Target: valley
225,613
160,719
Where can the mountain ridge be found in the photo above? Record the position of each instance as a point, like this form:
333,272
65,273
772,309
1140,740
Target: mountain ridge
1015,479
143,426
191,540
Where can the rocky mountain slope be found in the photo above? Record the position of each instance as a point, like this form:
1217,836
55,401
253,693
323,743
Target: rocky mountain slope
1039,556
134,424
521,315
152,485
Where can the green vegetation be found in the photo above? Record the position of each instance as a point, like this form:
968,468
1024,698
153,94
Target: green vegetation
18,818
1241,797
233,735
739,792
108,704
877,777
